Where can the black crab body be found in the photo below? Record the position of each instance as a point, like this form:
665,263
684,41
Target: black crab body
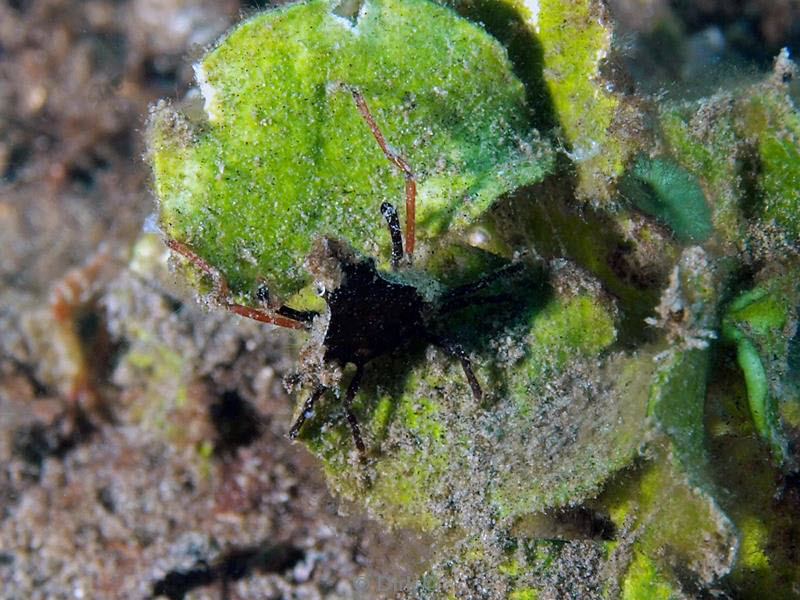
370,312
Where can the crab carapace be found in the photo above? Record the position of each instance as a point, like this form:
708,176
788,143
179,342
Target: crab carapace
370,312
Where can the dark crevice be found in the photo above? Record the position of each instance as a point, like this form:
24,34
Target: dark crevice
17,159
81,178
625,265
102,353
592,524
39,388
174,304
691,584
34,443
108,50
84,176
793,351
162,72
121,143
236,422
749,168
20,6
580,523
233,566
105,499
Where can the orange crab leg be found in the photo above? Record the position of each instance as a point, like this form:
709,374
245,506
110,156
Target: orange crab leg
397,161
222,291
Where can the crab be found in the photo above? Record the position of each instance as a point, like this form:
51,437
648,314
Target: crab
370,312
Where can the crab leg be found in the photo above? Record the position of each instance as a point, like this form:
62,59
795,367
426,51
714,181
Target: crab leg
222,291
397,161
458,352
308,409
462,291
390,214
355,382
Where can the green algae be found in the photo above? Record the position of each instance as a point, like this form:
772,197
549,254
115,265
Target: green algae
769,120
558,49
760,323
644,580
575,38
283,153
744,465
674,521
565,332
742,146
426,430
670,194
524,594
401,493
630,259
676,403
757,388
704,149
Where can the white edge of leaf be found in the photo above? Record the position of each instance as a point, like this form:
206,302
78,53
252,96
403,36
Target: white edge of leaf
210,105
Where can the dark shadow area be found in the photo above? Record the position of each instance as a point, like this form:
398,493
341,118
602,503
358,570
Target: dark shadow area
689,49
524,51
162,72
793,352
27,371
233,566
595,525
751,32
20,5
691,584
508,302
547,218
101,354
18,157
751,484
236,422
36,442
566,524
749,168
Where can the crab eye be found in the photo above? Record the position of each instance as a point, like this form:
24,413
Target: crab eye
319,288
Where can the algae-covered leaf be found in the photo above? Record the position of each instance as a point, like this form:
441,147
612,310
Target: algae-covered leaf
769,118
677,530
576,37
560,417
672,195
282,153
762,322
743,146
